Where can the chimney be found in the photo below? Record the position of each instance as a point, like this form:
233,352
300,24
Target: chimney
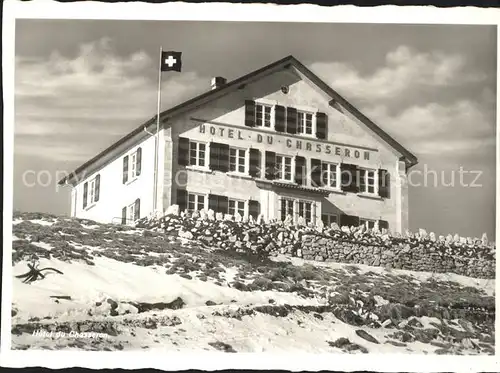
218,82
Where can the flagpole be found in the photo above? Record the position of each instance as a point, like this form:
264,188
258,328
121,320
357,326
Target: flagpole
157,140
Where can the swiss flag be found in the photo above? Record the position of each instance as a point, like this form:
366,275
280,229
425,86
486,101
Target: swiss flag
171,61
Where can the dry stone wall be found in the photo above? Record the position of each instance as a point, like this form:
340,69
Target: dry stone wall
357,245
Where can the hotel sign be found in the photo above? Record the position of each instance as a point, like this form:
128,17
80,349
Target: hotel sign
290,141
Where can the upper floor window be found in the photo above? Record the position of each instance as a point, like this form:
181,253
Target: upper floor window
237,160
263,115
132,166
236,206
304,123
284,168
91,191
197,153
330,174
368,181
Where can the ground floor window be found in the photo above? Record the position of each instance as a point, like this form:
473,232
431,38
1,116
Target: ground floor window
296,208
196,202
368,223
236,206
329,219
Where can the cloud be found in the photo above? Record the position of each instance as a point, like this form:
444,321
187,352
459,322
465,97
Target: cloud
461,127
96,92
405,70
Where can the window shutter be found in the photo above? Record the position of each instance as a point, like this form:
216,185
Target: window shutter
270,165
249,113
224,157
300,170
316,173
212,202
125,169
349,179
383,224
349,220
124,215
85,192
291,120
97,187
138,162
254,162
384,183
223,204
214,156
182,196
279,118
183,151
321,125
361,175
254,209
137,209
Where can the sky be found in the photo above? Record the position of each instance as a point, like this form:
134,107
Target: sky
80,85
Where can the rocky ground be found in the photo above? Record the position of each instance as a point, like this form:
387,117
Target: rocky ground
144,289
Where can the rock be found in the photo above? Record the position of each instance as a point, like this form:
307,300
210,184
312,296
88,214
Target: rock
422,233
219,216
195,215
237,217
210,303
211,214
203,215
251,220
301,221
320,226
484,239
172,210
288,221
432,236
456,238
334,226
186,234
361,333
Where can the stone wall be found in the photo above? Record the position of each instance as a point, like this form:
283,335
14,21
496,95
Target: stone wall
357,245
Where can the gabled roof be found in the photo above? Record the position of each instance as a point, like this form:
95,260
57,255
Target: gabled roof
208,96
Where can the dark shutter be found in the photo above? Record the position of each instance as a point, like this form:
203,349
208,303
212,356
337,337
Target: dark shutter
223,204
254,209
214,163
279,118
291,120
349,220
249,113
300,170
321,125
125,169
384,183
270,165
182,197
85,192
316,173
361,174
254,162
349,178
383,224
124,215
97,187
212,202
224,157
183,151
137,209
138,161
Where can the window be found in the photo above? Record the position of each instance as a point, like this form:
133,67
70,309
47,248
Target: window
330,174
91,192
329,219
196,202
262,115
197,153
131,213
305,210
236,206
133,162
368,181
297,208
304,123
132,166
286,208
367,223
237,160
284,168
